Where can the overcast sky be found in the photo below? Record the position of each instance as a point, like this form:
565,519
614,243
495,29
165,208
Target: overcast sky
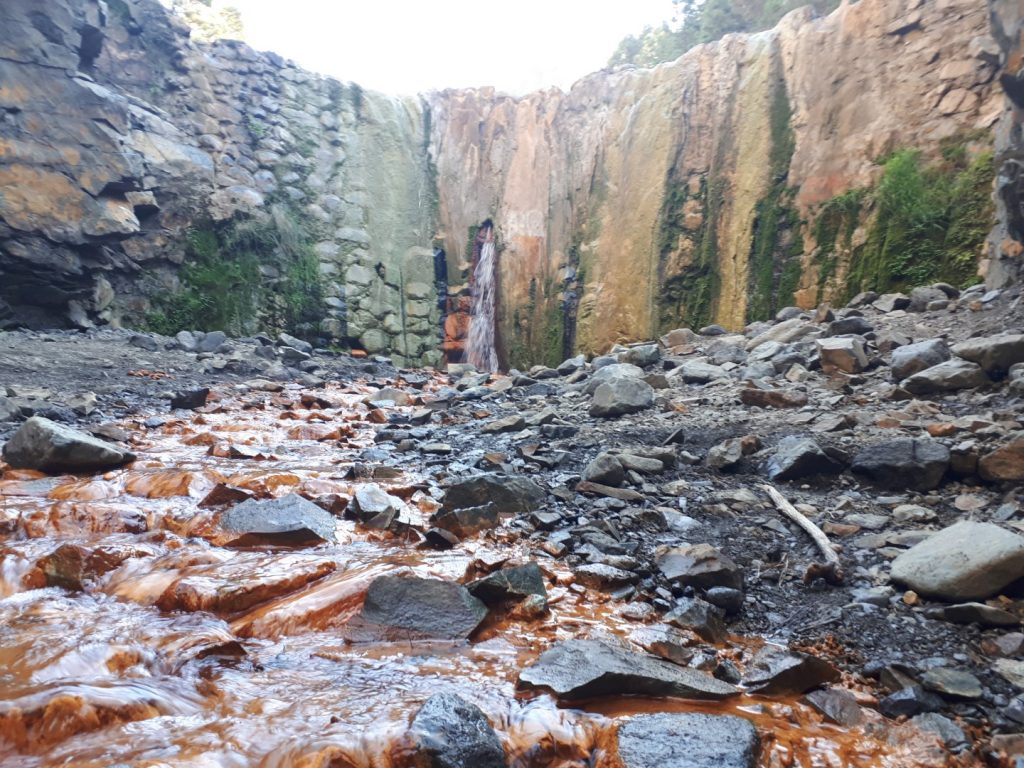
410,46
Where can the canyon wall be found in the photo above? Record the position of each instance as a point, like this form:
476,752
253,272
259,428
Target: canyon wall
690,193
137,166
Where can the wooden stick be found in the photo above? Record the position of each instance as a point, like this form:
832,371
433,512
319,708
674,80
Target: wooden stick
831,570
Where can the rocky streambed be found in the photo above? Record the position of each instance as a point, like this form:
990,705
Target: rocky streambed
317,560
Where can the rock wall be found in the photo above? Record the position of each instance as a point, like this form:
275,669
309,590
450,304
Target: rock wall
1006,243
688,194
119,137
640,200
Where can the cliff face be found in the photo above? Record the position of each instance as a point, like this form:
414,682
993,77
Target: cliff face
689,194
136,166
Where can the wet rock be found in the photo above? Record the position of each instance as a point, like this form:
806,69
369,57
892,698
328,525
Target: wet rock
450,732
966,561
71,566
844,354
605,469
190,399
993,353
391,396
605,578
728,599
918,464
836,706
688,740
508,494
728,453
439,538
467,521
585,669
513,423
513,583
798,457
571,365
974,613
290,519
908,702
777,671
951,735
423,608
621,396
1005,463
766,397
699,617
701,566
946,377
957,684
371,503
912,358
44,445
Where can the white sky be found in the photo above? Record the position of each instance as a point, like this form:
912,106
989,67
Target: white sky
410,46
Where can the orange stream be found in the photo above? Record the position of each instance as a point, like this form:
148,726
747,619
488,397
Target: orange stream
185,653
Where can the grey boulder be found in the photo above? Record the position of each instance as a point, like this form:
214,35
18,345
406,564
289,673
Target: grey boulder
620,396
47,446
911,358
450,732
917,464
946,377
290,519
688,740
410,606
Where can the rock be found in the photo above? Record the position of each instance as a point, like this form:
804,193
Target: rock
678,337
142,341
687,740
513,583
946,377
513,423
46,446
1005,463
190,399
508,494
784,333
618,397
974,613
290,519
966,561
912,358
211,342
917,464
422,608
287,340
890,302
605,469
585,669
777,671
837,705
922,296
642,356
728,599
392,395
699,617
1012,670
611,372
700,373
855,326
371,503
596,489
798,457
570,366
993,353
605,578
729,452
642,464
843,354
467,521
765,397
908,702
952,737
956,684
701,566
450,732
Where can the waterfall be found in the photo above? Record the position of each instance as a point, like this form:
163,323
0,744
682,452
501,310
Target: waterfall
480,347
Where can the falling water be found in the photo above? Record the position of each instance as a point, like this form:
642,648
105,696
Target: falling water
480,349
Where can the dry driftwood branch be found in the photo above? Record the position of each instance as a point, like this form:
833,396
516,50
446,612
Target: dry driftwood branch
831,570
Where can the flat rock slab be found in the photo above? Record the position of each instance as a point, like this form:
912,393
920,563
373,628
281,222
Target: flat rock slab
777,671
290,519
424,608
688,740
450,732
586,669
966,561
904,463
513,583
508,494
47,446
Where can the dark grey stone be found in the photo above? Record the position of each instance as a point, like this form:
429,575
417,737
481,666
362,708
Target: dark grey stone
450,732
688,740
424,608
289,519
46,446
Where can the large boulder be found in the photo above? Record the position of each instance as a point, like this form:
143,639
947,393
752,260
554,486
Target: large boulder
911,358
842,353
506,494
290,519
701,566
946,377
688,740
798,457
410,606
777,671
993,353
450,732
904,463
513,583
47,446
1005,463
612,371
586,669
621,396
966,561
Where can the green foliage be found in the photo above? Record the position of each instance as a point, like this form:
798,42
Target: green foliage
930,221
833,229
222,287
704,21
